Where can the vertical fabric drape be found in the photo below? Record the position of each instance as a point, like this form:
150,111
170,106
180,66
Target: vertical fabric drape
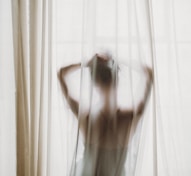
21,60
32,53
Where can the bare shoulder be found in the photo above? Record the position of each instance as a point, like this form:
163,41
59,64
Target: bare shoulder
83,117
125,114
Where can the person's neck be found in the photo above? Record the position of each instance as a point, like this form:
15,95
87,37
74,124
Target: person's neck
109,100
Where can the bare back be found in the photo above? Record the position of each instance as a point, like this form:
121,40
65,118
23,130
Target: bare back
107,132
104,131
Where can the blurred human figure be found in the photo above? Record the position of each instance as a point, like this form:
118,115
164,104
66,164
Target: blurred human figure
107,135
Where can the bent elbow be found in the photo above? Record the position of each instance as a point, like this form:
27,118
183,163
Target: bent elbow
140,109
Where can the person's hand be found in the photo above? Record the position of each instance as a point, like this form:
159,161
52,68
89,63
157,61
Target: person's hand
100,58
90,62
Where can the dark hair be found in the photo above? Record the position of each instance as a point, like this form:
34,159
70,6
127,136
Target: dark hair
103,70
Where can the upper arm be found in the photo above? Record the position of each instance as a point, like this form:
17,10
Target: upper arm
138,111
74,105
140,108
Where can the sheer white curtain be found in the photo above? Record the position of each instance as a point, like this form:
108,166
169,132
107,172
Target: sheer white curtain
172,43
152,32
38,132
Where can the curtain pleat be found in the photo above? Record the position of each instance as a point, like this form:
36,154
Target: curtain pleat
32,69
21,57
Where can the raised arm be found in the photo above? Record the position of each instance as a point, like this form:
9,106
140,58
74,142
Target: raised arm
141,106
74,105
138,111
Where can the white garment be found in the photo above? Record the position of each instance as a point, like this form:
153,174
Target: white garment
101,162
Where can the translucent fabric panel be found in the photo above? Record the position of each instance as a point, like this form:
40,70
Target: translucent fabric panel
155,33
122,31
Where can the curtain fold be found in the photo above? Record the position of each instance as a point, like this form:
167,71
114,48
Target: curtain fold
31,33
21,56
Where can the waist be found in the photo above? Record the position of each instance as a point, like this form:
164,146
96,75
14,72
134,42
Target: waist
105,154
